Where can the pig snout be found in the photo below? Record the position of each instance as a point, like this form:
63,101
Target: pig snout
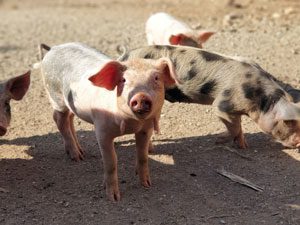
2,130
140,104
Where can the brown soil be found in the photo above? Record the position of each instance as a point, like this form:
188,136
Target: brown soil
40,185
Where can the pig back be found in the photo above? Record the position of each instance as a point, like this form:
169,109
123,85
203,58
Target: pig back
69,63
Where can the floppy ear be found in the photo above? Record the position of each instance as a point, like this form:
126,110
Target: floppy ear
109,76
287,111
18,86
204,35
167,67
177,39
295,93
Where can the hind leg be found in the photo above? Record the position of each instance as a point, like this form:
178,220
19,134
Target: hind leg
64,122
74,133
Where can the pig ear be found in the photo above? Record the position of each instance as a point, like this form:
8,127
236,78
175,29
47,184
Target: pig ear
168,70
295,93
287,111
203,35
109,76
18,86
176,39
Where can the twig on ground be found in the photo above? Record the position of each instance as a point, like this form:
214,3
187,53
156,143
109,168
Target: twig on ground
219,216
240,180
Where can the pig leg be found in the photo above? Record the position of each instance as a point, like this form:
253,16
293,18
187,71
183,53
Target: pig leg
234,132
150,148
143,143
63,122
74,134
109,158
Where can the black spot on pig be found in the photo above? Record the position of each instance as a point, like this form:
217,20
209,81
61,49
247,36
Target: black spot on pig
252,92
168,47
248,75
268,101
192,62
158,47
148,56
176,95
226,106
227,92
191,73
209,56
258,82
208,87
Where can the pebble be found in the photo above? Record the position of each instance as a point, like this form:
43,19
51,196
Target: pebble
288,10
228,19
276,15
222,221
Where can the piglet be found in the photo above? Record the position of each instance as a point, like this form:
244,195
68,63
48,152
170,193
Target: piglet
15,88
117,97
234,87
164,29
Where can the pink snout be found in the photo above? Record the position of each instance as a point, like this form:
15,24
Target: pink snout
2,130
140,104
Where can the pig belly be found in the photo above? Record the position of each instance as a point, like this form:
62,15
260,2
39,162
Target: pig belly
83,99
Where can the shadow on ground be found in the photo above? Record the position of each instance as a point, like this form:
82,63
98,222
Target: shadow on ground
184,181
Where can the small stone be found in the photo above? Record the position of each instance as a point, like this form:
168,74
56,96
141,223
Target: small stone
295,51
228,19
276,15
288,10
222,222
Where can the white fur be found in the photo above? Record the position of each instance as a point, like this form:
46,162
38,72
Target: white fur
160,27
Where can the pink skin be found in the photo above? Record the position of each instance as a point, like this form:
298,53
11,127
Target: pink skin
193,39
121,98
14,88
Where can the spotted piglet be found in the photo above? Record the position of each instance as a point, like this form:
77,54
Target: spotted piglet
14,88
164,29
234,87
117,97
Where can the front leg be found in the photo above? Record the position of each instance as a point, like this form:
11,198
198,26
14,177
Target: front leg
142,145
235,132
109,158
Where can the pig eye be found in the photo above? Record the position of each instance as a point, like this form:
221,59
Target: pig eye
123,80
156,78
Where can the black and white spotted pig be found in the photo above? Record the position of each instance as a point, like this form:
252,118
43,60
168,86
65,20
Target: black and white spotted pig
234,87
14,88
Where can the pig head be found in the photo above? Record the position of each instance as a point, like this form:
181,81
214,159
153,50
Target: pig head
14,88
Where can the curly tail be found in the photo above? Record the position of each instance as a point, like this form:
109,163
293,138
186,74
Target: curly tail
41,47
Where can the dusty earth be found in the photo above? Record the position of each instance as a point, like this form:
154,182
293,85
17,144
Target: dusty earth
40,185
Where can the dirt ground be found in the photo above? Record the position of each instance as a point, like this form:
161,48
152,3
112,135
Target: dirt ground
40,185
